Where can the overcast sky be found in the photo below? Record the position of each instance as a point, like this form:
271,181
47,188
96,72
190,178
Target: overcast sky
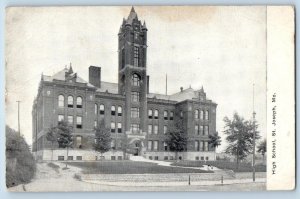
221,48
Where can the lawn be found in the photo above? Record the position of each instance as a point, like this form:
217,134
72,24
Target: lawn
129,167
243,167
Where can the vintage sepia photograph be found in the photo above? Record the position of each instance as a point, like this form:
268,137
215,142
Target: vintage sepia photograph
137,98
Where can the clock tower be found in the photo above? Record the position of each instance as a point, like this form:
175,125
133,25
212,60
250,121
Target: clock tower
132,75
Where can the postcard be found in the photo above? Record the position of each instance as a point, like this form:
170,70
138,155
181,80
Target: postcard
150,98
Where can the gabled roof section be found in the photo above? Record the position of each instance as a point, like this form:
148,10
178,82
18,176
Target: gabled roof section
65,74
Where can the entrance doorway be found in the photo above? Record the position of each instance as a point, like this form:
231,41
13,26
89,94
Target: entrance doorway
136,149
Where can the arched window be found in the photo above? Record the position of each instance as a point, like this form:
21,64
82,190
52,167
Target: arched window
135,80
61,101
119,110
70,101
166,115
102,111
79,102
96,109
201,115
196,114
155,114
171,115
113,110
206,115
150,113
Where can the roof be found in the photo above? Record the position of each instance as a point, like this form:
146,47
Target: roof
180,96
109,87
61,75
132,15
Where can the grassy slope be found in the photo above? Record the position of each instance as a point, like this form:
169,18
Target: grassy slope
129,167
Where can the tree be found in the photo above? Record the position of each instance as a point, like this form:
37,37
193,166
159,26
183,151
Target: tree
240,137
262,148
52,137
64,136
176,137
214,141
20,164
102,138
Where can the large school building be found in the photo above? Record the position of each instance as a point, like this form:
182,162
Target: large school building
127,108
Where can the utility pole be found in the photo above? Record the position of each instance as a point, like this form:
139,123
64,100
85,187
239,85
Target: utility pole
166,84
254,135
19,117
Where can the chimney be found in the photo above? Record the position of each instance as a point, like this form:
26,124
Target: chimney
148,84
95,76
181,89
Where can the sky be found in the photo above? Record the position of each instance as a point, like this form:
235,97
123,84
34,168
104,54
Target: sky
222,49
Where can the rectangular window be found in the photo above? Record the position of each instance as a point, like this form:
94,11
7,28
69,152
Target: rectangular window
113,157
155,157
197,158
113,144
206,158
201,115
165,129
205,146
150,114
70,119
155,129
202,158
165,146
166,158
201,146
196,130
79,122
112,127
135,112
135,96
78,157
135,128
197,148
205,130
123,58
61,157
119,127
150,157
136,56
201,130
70,157
149,145
171,115
155,145
206,115
78,142
119,157
61,118
149,129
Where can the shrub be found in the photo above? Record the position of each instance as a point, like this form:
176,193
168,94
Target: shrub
54,166
20,164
